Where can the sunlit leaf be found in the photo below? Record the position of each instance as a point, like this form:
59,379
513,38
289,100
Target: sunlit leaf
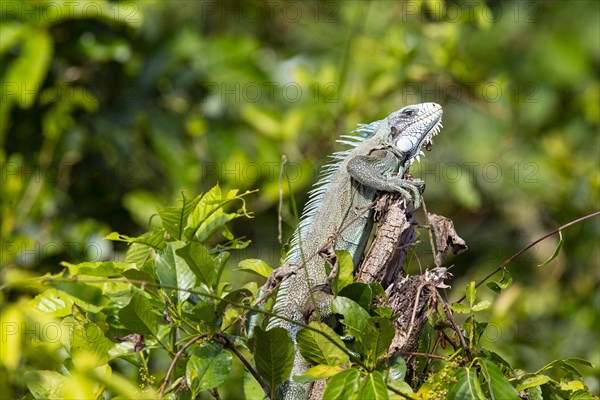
138,316
375,338
317,373
373,387
344,385
317,349
345,271
257,266
208,367
556,250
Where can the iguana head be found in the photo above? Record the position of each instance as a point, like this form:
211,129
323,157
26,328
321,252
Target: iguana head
413,128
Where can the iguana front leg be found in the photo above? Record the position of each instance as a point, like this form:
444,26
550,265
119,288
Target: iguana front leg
368,170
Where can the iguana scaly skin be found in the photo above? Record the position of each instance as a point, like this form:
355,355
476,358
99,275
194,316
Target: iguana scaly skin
340,208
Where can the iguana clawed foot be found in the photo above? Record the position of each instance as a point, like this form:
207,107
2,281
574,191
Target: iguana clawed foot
403,186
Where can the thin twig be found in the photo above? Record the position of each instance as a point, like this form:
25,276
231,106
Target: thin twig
163,386
455,326
523,250
280,207
416,353
231,346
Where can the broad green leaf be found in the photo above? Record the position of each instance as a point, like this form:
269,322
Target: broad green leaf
359,292
343,385
317,349
25,75
12,322
581,394
470,294
375,338
498,386
397,369
173,271
252,389
536,380
137,254
317,373
207,368
373,387
345,271
556,250
274,355
138,317
459,308
199,261
56,303
45,384
566,365
89,347
354,315
482,305
257,266
465,386
208,215
504,282
11,33
174,219
104,268
535,393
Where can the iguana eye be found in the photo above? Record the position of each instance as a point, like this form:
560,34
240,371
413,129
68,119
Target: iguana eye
408,113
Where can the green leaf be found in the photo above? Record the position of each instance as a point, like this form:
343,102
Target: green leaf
566,365
199,261
499,387
344,385
532,381
27,72
375,338
138,316
103,269
257,266
56,303
317,373
397,369
354,315
173,271
482,305
274,355
317,349
465,386
208,215
504,282
207,368
459,308
470,294
345,273
374,387
359,292
174,219
11,33
252,389
236,296
89,347
45,384
154,238
556,250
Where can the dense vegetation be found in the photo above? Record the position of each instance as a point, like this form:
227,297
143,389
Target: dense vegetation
110,110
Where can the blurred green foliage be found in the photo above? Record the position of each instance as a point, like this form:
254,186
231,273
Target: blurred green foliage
110,108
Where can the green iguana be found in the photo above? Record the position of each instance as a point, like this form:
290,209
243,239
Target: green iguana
340,210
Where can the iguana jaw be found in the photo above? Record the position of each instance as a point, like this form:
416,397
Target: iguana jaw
413,127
